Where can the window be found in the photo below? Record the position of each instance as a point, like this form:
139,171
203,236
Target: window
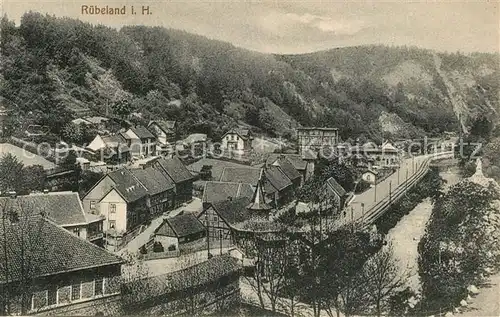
76,231
112,208
112,224
216,218
92,204
75,291
98,287
52,295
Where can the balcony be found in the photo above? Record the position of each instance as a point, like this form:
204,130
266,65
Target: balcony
95,236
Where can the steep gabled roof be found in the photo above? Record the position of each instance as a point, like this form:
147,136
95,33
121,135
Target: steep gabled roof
142,132
295,159
287,168
166,126
277,178
334,186
48,248
247,175
259,202
182,225
153,179
127,185
115,141
175,169
219,191
64,208
233,211
245,134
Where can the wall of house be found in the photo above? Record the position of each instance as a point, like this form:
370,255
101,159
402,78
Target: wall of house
234,139
167,241
369,177
216,226
73,293
160,135
80,231
120,216
96,194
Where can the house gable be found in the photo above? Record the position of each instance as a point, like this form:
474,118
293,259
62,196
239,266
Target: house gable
96,193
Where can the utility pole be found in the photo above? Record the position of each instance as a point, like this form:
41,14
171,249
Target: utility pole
398,174
406,180
208,236
352,218
220,242
390,191
362,214
375,198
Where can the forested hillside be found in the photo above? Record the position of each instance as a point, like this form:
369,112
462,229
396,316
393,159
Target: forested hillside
49,64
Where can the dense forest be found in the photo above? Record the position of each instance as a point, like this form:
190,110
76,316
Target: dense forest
50,65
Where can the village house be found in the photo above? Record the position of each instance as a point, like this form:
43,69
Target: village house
180,230
141,141
112,148
237,141
335,194
304,164
50,271
130,197
278,188
311,139
220,191
224,219
165,133
66,210
370,176
180,176
289,170
385,155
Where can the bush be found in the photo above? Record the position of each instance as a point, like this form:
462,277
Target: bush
143,250
172,247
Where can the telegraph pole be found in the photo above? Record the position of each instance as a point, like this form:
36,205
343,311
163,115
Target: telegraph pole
220,241
390,191
375,198
362,214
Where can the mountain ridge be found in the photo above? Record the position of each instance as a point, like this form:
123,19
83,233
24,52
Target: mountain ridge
218,85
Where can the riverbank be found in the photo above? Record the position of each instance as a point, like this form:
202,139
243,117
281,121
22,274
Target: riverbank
407,233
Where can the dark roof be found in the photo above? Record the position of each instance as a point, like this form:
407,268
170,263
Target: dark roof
153,179
218,191
233,211
115,140
287,168
277,178
175,169
49,248
243,133
295,159
167,126
247,175
127,185
194,276
64,208
182,225
142,132
335,187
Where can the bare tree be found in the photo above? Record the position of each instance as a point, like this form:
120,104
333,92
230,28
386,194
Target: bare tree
383,277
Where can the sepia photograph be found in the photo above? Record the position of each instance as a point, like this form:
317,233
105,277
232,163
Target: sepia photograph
251,158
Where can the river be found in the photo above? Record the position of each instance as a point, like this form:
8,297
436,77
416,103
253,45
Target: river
406,235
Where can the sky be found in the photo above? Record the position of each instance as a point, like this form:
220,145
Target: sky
300,26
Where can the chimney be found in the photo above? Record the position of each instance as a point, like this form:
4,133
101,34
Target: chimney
12,194
45,191
229,198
